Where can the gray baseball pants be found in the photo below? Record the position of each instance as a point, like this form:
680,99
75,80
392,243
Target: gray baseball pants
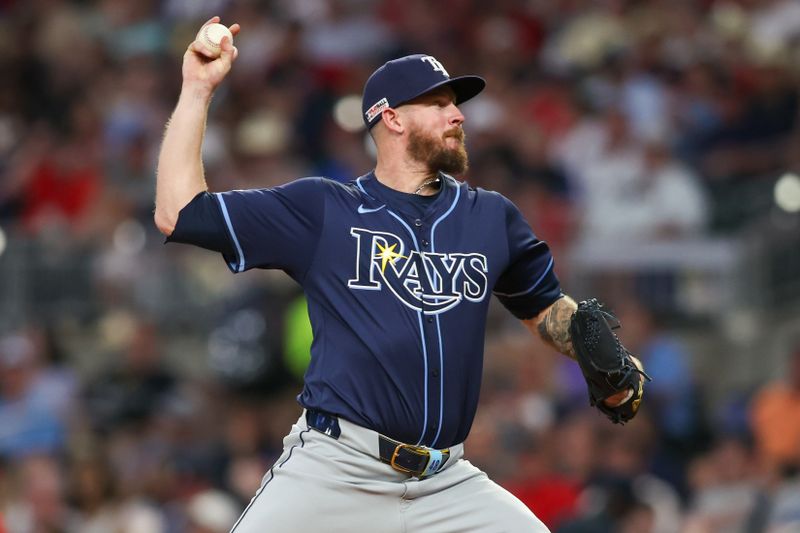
322,484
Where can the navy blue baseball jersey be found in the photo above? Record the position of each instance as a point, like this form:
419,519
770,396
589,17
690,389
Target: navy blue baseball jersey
397,296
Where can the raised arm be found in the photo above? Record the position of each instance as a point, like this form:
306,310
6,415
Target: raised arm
179,176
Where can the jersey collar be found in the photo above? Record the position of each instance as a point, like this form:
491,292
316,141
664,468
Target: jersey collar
369,184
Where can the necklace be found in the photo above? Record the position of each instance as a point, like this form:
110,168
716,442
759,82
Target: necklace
427,183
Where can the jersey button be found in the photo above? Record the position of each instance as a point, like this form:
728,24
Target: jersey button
418,223
425,243
430,320
435,373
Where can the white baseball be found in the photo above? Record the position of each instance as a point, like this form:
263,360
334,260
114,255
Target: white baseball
211,36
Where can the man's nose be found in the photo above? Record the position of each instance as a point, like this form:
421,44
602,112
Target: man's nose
456,117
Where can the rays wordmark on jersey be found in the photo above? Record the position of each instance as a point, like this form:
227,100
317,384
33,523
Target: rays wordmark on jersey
424,281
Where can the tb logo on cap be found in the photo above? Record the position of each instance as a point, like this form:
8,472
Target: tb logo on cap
437,66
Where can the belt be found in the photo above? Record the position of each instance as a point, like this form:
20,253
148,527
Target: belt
416,461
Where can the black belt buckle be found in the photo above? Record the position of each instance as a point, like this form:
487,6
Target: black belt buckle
418,461
414,450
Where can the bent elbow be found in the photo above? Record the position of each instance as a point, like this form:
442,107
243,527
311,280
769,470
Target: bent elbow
164,222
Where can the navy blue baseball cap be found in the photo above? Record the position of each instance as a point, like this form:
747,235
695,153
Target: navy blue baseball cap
403,79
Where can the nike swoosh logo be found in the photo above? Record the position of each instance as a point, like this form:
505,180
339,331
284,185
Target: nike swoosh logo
363,210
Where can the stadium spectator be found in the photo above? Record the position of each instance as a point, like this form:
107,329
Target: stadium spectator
775,418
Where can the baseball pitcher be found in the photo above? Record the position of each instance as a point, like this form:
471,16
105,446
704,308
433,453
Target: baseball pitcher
398,267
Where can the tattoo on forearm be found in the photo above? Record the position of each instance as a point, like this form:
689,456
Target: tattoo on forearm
554,328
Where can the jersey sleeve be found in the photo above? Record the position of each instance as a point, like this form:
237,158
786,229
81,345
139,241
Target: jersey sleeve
528,285
274,228
200,223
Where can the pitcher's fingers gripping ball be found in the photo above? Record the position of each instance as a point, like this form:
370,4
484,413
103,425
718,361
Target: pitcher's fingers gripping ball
211,35
607,365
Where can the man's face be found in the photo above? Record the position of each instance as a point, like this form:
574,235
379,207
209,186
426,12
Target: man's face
435,135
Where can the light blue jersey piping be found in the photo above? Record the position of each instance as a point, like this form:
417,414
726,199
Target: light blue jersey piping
234,266
438,325
421,329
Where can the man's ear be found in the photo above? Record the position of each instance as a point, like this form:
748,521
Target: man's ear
393,120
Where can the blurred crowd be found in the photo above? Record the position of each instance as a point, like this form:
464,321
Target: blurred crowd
143,388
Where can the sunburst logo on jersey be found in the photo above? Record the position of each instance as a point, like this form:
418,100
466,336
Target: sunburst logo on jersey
387,255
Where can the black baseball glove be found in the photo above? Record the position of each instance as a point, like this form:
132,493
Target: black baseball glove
606,365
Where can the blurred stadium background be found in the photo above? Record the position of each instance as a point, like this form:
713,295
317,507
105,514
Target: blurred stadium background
653,143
